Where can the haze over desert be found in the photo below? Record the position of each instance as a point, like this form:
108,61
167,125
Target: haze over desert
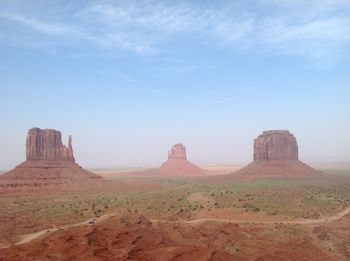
158,130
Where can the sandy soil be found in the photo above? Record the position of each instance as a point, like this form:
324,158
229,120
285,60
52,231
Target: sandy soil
210,170
137,238
331,165
202,218
222,169
29,237
219,169
115,172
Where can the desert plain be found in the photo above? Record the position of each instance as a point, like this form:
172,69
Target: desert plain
183,218
274,208
157,130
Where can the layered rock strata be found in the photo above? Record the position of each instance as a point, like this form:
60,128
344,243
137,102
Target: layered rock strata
178,151
47,145
48,164
176,165
276,154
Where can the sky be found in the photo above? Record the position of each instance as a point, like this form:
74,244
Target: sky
128,79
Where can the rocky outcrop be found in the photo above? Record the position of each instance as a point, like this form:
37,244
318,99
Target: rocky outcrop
178,151
176,165
49,165
276,155
47,145
276,145
132,237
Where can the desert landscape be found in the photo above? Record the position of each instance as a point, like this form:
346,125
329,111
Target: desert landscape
52,209
159,130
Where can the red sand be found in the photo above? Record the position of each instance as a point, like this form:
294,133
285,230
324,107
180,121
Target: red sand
278,168
136,238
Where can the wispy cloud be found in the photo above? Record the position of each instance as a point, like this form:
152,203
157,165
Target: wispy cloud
143,14
311,29
313,39
47,28
66,34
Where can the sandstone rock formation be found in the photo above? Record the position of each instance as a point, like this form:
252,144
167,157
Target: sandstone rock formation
276,145
47,145
176,165
178,151
276,154
48,164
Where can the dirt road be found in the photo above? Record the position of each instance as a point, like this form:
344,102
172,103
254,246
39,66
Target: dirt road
301,221
29,237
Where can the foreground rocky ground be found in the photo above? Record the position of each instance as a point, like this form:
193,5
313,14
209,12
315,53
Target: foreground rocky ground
134,237
261,207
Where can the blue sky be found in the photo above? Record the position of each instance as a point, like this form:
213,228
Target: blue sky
130,78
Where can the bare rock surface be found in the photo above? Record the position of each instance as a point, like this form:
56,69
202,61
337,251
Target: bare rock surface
276,155
131,237
49,164
276,145
176,165
180,167
178,151
46,144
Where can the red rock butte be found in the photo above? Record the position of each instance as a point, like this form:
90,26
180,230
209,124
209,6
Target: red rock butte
178,152
177,163
47,145
48,163
276,155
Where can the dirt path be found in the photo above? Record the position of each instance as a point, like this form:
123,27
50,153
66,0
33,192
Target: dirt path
29,237
301,222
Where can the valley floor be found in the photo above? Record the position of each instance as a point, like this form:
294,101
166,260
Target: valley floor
199,218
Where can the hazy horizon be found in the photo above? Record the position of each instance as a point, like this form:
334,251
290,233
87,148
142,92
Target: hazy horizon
128,79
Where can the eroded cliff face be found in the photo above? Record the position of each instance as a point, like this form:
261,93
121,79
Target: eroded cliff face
49,166
275,145
177,163
276,155
178,151
46,144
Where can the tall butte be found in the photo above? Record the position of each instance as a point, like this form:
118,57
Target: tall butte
177,163
276,155
48,163
47,145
